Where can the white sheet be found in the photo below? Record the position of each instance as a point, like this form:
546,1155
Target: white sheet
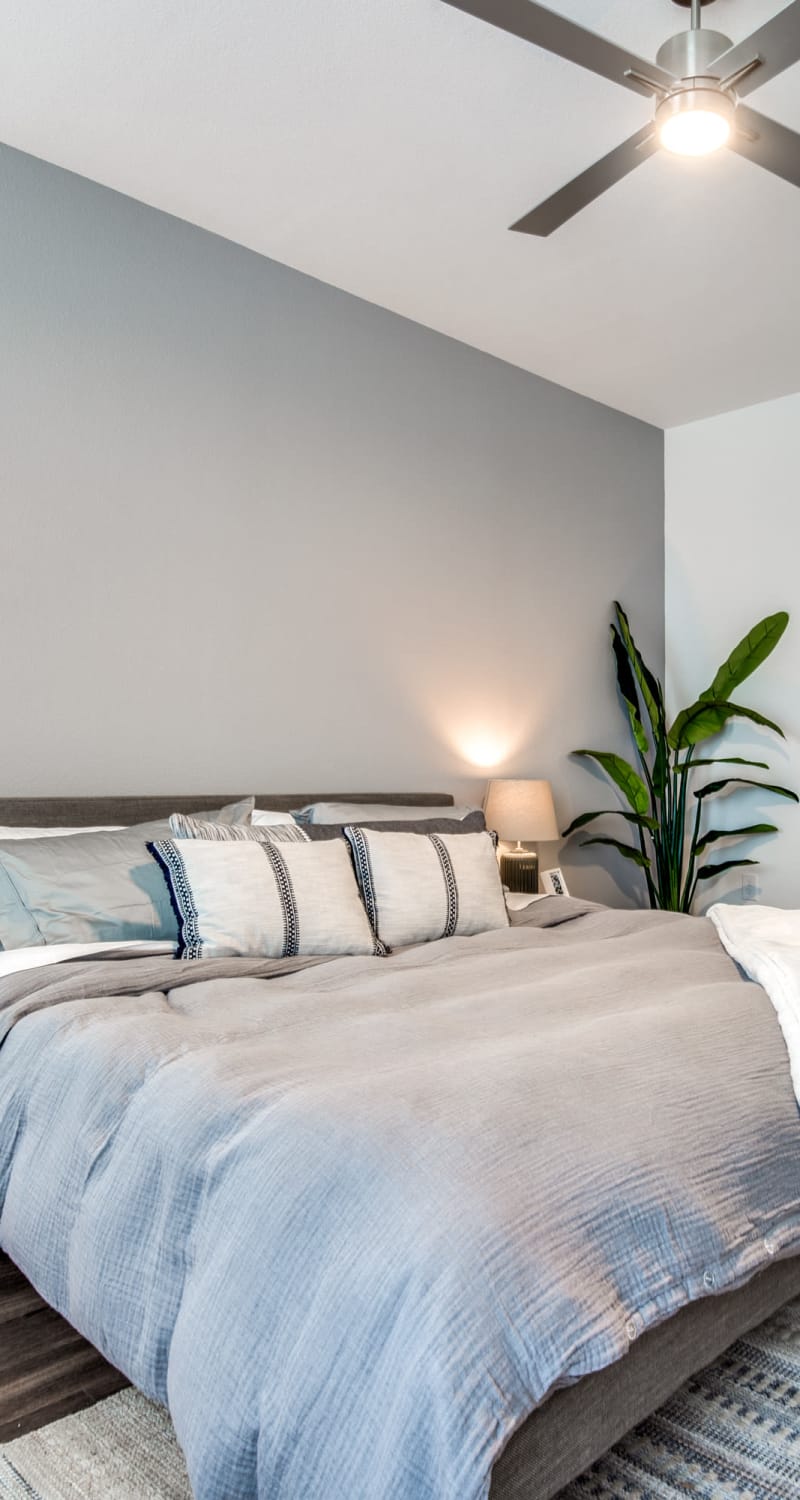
14,959
54,833
765,942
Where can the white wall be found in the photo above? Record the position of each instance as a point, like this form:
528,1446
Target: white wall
732,532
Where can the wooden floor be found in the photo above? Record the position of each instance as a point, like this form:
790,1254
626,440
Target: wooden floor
47,1370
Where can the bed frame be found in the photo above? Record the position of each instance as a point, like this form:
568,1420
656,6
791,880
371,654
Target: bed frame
581,1422
79,812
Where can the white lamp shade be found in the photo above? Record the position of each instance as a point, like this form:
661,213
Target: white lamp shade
521,810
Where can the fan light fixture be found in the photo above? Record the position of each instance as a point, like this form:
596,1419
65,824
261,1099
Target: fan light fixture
698,82
695,122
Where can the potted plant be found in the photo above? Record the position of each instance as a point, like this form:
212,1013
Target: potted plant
666,808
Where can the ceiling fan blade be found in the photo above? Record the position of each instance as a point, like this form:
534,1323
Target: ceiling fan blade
773,146
777,43
570,199
534,23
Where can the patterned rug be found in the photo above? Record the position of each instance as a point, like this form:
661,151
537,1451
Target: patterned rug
731,1433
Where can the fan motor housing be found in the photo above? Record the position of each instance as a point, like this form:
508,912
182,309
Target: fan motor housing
690,54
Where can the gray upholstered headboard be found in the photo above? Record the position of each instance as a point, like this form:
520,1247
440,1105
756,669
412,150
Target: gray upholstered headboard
77,812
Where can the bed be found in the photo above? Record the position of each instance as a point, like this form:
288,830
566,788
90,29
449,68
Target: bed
664,1337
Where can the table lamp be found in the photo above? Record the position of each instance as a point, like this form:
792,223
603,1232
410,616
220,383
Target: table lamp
517,811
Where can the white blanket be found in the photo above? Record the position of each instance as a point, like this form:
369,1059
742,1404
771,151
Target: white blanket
765,942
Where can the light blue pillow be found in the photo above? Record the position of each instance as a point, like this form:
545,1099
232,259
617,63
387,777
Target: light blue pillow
91,887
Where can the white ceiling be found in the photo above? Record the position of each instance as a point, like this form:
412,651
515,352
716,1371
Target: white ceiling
385,146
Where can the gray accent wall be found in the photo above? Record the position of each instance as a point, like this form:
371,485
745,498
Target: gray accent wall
259,532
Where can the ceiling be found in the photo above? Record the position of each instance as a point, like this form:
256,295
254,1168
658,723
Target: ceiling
384,146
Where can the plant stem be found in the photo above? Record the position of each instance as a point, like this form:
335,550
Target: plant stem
651,891
691,884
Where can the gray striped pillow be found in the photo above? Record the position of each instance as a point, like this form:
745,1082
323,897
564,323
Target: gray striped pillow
263,898
184,826
420,886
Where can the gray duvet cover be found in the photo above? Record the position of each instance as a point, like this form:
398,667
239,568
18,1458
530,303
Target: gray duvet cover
352,1223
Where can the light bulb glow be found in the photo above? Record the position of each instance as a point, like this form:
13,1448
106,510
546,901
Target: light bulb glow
484,750
695,132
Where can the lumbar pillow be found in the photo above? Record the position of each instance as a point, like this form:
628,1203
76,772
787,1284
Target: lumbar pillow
184,826
264,899
91,887
473,822
418,886
375,812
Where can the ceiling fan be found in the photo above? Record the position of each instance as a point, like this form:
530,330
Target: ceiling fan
698,81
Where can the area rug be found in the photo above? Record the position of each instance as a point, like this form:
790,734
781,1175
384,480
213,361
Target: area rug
123,1448
730,1433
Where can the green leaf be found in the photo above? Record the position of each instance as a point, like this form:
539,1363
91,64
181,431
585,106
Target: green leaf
613,812
623,775
704,719
627,686
707,872
720,760
649,685
749,654
739,712
714,834
698,722
626,849
712,787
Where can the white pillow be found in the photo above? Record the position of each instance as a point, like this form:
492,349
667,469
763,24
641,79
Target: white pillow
374,812
264,900
422,886
265,817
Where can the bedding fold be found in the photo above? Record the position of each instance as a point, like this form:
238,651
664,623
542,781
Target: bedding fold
765,942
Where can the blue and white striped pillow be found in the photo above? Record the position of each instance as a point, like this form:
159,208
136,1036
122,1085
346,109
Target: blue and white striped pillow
264,898
421,886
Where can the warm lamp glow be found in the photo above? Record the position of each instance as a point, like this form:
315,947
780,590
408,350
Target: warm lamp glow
484,750
694,122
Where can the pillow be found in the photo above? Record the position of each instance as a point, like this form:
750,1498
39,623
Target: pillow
90,888
263,899
422,886
472,822
184,826
267,817
374,812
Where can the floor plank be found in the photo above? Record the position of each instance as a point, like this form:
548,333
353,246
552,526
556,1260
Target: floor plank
47,1370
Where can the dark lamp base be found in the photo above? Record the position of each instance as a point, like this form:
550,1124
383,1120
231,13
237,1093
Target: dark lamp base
519,870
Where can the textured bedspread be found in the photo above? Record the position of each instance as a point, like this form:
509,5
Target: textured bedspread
353,1222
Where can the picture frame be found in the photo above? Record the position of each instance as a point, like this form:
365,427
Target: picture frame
553,882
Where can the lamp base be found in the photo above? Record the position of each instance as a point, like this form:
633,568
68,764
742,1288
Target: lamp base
519,870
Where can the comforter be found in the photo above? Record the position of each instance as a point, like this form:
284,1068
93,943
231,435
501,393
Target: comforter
353,1220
